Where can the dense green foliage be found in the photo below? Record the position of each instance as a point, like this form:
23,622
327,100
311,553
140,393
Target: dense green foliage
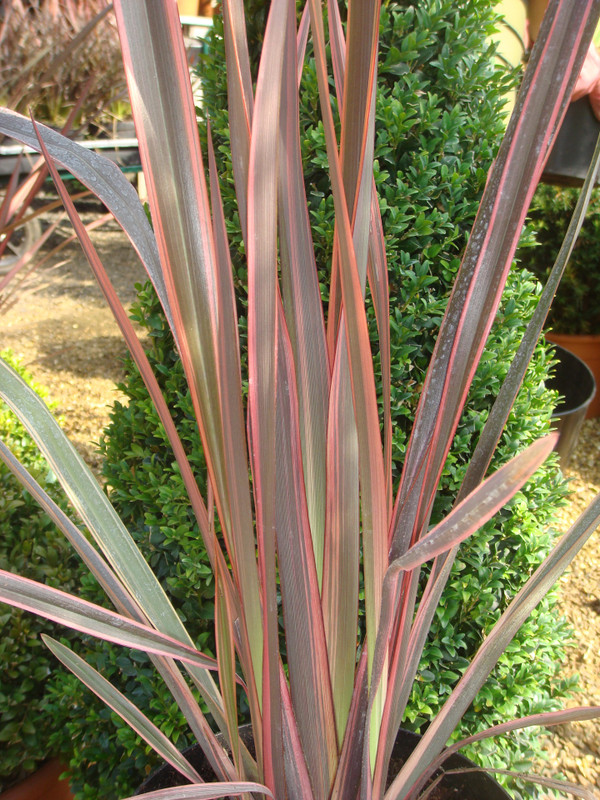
438,126
31,546
575,307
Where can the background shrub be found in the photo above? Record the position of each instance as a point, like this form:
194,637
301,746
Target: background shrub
438,127
31,546
575,307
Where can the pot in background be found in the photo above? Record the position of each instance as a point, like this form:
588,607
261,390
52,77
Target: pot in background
574,381
195,8
587,349
45,784
572,151
188,8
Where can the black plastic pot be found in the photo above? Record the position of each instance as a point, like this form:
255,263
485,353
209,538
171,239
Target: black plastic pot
572,151
465,786
574,381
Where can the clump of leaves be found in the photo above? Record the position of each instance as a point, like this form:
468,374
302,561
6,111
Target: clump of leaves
57,55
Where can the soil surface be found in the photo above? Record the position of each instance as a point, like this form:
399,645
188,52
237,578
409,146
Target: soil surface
69,341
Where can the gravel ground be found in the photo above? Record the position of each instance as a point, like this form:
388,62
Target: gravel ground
70,343
67,336
574,749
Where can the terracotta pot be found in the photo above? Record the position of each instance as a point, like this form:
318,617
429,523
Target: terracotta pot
587,348
206,8
45,784
467,786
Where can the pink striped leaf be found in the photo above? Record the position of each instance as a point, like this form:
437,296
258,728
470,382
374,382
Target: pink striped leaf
545,719
302,302
341,563
464,520
123,707
139,356
166,126
105,180
235,450
94,620
301,42
417,767
304,631
262,258
224,627
357,123
92,559
544,96
91,503
371,470
296,771
340,584
240,101
229,363
207,791
377,262
340,588
478,507
206,738
350,764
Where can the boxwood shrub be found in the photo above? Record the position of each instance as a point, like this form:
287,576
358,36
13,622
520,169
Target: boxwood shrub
438,126
31,546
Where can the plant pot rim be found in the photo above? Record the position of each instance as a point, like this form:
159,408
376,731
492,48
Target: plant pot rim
556,337
480,783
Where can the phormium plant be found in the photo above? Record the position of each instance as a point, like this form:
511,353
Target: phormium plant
437,127
299,467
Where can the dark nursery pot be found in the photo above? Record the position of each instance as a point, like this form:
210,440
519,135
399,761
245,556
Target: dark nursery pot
586,348
465,786
575,383
572,151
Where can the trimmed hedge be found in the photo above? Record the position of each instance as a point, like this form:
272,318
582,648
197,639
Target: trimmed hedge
31,546
438,127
